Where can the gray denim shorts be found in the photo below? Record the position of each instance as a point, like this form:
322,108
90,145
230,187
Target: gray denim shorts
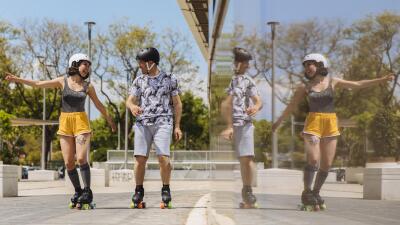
243,139
159,134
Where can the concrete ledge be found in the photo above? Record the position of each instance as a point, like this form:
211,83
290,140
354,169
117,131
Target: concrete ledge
279,177
8,180
383,165
99,178
382,183
122,175
42,175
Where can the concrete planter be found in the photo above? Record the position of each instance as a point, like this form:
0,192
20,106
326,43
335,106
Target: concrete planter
42,175
8,180
382,183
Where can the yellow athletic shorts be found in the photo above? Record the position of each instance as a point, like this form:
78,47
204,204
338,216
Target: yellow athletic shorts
321,125
73,124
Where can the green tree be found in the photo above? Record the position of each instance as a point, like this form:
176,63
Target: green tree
194,123
262,139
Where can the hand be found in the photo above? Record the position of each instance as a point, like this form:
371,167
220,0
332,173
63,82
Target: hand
389,77
227,133
11,77
252,110
136,110
177,133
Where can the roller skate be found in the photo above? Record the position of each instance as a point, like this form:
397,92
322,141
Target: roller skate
309,203
74,198
249,200
166,198
319,200
85,200
137,199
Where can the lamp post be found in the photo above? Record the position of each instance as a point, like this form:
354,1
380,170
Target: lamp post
89,24
273,25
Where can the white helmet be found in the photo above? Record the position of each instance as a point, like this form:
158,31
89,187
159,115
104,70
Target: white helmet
318,58
76,58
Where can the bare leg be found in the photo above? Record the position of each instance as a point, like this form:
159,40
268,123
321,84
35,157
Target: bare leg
140,168
312,149
165,169
328,150
82,142
246,169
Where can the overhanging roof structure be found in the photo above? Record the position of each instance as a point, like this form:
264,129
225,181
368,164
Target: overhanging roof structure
196,15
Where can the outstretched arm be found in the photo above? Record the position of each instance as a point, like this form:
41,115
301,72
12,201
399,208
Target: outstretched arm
55,83
340,83
297,97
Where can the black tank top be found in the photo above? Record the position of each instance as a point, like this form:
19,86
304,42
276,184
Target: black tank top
321,101
73,101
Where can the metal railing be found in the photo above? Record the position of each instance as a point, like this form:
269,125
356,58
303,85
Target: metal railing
180,159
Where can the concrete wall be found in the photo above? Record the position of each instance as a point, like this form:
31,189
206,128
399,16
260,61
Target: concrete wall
8,180
382,183
42,175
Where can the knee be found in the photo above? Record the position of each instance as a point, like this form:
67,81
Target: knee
70,165
141,160
81,160
313,162
163,160
325,166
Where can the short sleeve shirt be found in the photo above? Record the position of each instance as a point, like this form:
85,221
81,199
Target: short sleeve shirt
241,88
155,98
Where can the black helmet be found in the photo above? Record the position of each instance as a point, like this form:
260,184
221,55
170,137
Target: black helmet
149,54
241,55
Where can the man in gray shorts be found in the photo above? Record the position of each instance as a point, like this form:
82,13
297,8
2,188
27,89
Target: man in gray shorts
154,101
242,103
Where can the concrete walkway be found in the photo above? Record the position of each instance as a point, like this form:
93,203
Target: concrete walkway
195,202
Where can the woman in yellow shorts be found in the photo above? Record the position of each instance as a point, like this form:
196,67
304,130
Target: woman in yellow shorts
321,127
74,129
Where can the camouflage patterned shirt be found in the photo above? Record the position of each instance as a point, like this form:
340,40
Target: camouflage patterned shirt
155,98
242,88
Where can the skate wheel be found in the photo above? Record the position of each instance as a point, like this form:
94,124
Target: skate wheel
169,205
322,207
132,205
144,205
162,205
140,205
256,206
307,208
244,205
71,205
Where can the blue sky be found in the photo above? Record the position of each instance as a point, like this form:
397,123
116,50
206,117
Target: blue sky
256,13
